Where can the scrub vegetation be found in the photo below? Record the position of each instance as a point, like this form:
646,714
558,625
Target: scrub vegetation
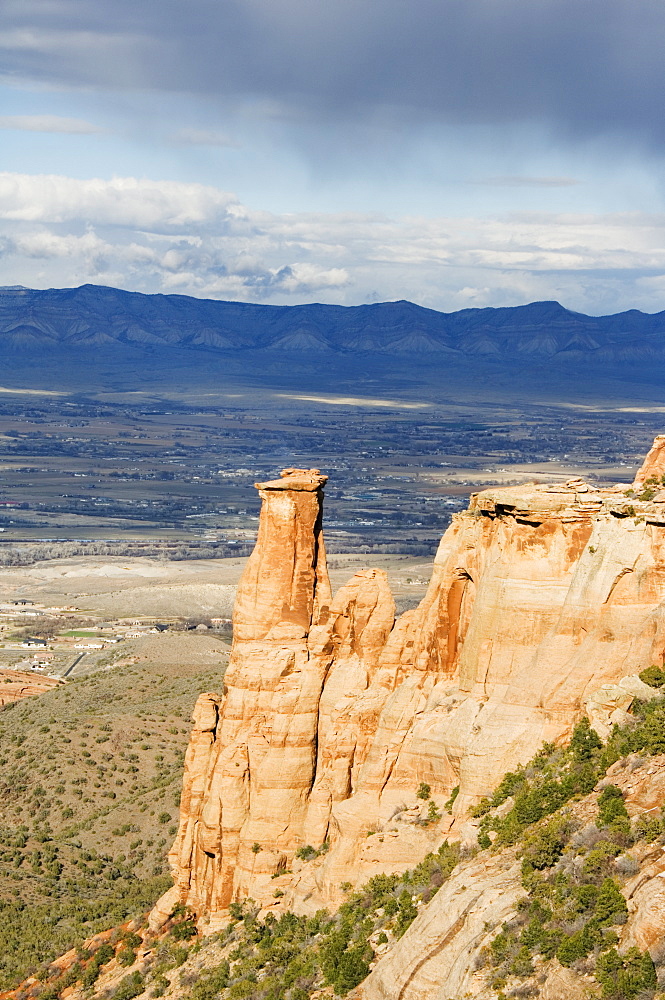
90,777
573,872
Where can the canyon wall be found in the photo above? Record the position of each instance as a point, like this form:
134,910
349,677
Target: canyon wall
544,603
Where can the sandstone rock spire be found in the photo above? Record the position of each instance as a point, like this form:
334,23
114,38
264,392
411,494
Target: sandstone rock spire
250,764
285,584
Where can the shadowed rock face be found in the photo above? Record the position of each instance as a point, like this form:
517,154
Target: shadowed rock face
543,602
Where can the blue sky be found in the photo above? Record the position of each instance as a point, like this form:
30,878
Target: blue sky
453,152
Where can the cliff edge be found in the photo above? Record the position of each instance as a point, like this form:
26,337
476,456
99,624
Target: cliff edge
544,603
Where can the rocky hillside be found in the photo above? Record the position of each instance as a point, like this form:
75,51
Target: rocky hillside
93,315
15,685
566,899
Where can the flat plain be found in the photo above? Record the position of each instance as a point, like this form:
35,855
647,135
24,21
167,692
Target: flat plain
158,454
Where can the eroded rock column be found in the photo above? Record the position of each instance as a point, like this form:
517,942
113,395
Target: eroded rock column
251,761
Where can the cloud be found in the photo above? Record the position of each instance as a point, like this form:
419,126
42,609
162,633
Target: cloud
195,239
121,201
580,68
48,123
45,245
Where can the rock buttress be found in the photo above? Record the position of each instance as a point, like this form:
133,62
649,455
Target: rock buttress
544,602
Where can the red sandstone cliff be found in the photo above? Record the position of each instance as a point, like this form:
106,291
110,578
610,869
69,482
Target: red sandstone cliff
544,604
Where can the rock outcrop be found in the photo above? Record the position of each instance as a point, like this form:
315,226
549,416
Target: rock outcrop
251,762
441,954
543,600
436,958
653,466
15,685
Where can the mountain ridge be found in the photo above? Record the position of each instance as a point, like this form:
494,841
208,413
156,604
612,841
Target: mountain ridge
94,315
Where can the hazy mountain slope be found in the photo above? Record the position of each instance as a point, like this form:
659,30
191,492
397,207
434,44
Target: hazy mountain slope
93,315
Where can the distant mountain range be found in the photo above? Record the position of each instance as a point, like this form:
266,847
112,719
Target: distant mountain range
94,315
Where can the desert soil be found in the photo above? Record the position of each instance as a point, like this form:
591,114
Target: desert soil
120,586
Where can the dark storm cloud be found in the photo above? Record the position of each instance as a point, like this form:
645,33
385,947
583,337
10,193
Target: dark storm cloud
583,67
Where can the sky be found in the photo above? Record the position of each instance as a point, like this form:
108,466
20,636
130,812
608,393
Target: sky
457,153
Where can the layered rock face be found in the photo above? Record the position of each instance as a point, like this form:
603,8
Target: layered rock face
15,685
440,956
544,604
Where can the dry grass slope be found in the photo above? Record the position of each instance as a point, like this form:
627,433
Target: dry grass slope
90,777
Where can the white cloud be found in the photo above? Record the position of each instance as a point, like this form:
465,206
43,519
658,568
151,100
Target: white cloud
48,123
196,239
122,201
46,245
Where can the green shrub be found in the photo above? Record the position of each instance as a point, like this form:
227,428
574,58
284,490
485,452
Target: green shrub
584,741
129,987
71,976
610,903
576,946
448,805
408,911
160,986
424,791
50,993
103,954
433,813
625,977
184,930
306,852
352,968
611,806
211,983
522,965
653,676
543,848
648,828
508,785
91,975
